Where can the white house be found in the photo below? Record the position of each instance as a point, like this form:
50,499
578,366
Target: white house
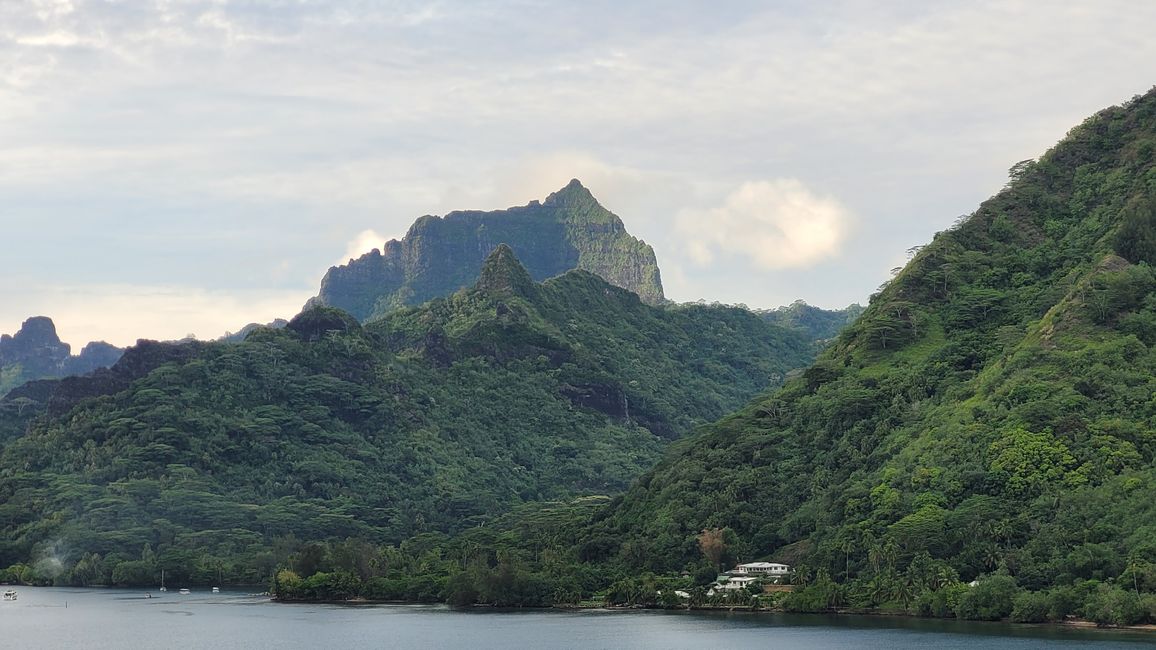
762,569
733,584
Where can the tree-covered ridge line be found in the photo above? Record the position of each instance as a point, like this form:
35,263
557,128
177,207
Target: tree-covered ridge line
818,323
439,255
434,418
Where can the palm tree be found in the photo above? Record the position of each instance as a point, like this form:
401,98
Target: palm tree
902,590
1134,565
945,576
879,589
801,576
847,546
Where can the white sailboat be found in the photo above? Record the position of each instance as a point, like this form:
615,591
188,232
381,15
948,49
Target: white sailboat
163,580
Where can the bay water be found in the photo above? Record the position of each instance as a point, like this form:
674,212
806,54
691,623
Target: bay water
101,619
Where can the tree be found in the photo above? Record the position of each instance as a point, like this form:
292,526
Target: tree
711,543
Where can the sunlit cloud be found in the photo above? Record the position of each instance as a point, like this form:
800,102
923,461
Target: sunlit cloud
777,224
364,242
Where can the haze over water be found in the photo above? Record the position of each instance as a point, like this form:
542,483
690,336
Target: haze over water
102,619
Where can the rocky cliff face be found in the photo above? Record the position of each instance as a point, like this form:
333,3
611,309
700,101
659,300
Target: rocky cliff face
36,352
439,255
36,347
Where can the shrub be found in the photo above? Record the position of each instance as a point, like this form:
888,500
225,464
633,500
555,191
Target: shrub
1111,605
1030,607
990,600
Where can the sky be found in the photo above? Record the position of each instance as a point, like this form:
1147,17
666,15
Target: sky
171,168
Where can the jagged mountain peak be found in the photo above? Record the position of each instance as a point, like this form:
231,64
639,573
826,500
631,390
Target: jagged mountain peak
573,192
36,330
502,273
36,352
440,255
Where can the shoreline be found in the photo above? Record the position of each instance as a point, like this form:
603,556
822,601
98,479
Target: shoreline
1074,623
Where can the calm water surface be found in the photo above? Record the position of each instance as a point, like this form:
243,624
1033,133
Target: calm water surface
114,619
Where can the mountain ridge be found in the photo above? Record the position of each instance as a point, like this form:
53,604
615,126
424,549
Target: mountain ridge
36,352
429,419
439,255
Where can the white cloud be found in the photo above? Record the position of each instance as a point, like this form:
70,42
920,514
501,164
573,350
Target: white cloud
51,39
777,224
364,242
329,118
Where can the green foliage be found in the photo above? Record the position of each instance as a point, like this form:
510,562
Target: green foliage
226,458
818,324
1029,462
992,409
990,600
822,595
1030,607
1111,605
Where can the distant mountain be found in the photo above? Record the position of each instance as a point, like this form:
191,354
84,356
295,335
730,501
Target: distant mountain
819,324
239,335
36,352
439,255
431,418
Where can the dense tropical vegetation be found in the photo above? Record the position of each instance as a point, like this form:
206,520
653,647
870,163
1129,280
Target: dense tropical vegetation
819,324
216,460
981,443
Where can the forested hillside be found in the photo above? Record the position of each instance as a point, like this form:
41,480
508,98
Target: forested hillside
819,324
215,460
992,411
980,443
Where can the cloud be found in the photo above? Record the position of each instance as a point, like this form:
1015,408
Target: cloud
282,129
364,242
120,314
777,224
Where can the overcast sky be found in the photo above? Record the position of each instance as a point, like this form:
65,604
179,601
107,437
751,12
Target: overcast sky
174,167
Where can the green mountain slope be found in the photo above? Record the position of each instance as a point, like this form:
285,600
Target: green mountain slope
432,418
992,410
439,255
819,324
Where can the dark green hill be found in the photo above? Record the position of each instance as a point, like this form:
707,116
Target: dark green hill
432,418
990,416
991,411
439,255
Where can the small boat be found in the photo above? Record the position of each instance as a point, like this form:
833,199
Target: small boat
216,590
163,580
184,592
10,594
